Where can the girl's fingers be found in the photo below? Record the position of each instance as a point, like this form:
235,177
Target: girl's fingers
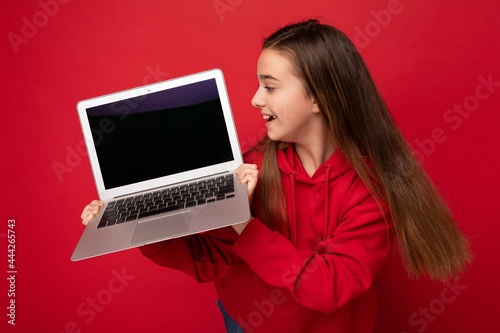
248,174
87,218
90,211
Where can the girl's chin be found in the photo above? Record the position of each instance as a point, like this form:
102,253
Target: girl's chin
274,136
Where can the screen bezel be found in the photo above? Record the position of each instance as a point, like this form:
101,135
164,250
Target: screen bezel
107,194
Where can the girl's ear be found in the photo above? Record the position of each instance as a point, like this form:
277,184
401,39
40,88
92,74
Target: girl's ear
315,107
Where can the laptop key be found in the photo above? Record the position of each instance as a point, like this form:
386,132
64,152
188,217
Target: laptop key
110,216
131,218
112,222
225,190
161,210
110,208
101,224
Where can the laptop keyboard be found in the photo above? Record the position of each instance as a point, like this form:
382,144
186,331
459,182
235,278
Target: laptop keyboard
171,199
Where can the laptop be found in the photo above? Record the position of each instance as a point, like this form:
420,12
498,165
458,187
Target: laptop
163,158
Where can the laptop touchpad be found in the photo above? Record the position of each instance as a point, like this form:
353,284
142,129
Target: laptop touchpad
162,227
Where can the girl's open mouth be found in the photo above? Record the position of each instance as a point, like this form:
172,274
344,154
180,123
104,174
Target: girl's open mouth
269,118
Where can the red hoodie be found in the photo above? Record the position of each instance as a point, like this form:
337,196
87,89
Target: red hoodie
317,279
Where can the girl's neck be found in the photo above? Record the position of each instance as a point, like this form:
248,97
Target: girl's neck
314,152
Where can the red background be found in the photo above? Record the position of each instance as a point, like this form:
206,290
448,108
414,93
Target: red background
426,57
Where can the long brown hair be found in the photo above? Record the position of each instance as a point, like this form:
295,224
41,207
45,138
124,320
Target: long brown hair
336,77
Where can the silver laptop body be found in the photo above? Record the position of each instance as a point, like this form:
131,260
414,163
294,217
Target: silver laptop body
163,158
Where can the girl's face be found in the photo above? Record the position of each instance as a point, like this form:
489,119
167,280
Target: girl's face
290,114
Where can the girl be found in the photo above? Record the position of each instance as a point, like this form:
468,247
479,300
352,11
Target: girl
329,184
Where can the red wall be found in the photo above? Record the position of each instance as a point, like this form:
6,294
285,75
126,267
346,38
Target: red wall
436,63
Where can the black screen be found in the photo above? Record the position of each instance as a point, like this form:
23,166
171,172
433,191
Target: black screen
160,134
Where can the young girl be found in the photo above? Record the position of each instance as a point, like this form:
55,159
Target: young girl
329,184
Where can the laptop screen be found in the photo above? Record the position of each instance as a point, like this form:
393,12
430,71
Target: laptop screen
160,134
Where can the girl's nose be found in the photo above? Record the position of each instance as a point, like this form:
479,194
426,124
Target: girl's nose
257,100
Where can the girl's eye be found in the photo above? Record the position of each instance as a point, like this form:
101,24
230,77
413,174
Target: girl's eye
269,89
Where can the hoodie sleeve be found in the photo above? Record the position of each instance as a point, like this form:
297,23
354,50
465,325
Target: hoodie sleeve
338,270
205,257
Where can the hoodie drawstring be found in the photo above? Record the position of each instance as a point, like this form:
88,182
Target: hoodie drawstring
327,202
293,221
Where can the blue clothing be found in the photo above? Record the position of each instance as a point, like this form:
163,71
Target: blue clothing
231,325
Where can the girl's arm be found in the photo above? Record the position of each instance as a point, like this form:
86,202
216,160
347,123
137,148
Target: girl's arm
206,257
336,271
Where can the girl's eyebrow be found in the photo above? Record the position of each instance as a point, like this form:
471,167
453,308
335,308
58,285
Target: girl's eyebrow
267,77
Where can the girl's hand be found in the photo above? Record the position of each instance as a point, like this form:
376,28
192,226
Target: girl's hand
90,211
248,174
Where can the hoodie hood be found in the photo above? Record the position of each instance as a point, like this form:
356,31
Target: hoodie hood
291,165
293,171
